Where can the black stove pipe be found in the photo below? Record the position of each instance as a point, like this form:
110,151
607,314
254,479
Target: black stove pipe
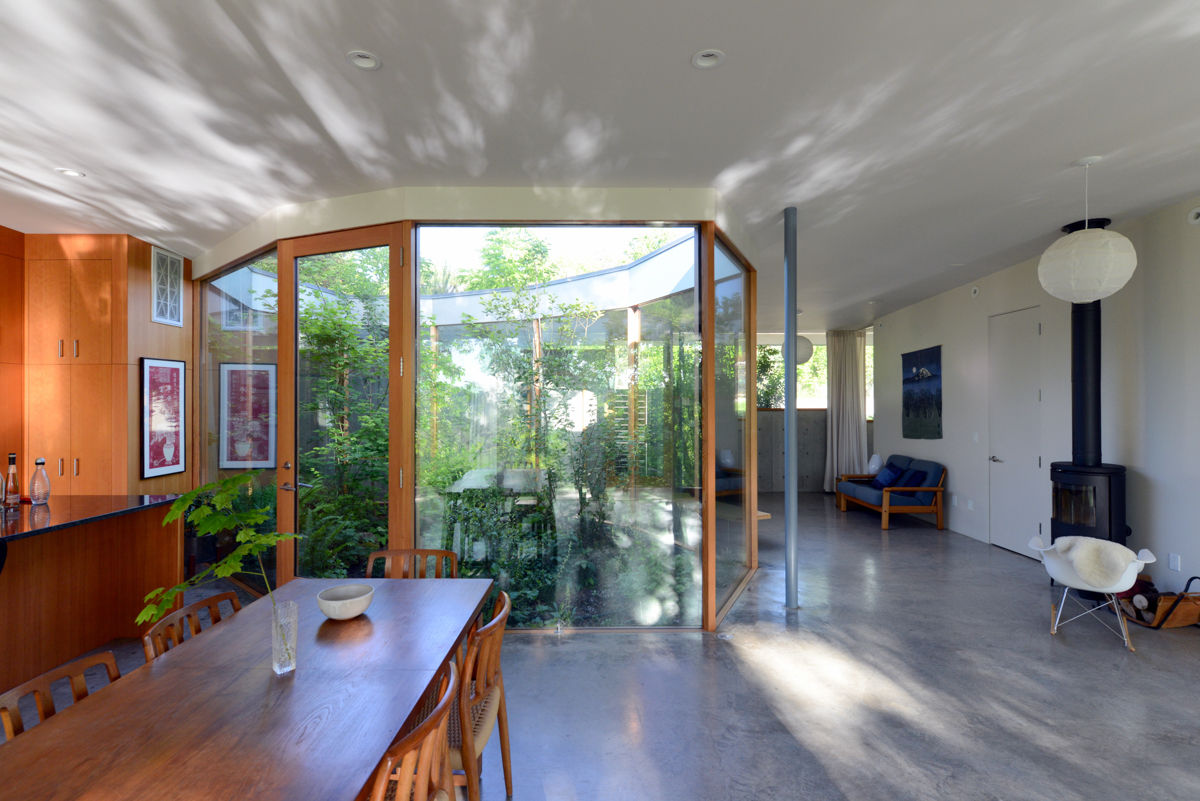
1085,383
1085,369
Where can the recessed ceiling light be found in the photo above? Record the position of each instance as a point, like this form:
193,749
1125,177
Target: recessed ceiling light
70,173
707,58
363,60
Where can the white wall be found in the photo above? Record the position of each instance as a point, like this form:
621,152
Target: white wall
1150,376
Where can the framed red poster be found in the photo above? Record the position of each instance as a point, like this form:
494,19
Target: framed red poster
247,425
164,418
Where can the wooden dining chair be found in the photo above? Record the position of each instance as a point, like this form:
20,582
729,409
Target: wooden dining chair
416,766
480,706
40,689
169,632
414,563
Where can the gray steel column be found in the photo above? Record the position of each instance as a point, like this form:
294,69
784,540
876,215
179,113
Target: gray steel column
790,457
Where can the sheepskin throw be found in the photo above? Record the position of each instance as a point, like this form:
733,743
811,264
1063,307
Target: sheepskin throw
1098,562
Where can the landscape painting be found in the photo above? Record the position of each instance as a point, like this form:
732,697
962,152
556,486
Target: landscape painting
922,394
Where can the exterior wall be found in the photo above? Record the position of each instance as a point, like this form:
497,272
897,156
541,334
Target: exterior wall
1150,373
810,443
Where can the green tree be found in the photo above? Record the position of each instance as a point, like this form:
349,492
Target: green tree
512,258
645,244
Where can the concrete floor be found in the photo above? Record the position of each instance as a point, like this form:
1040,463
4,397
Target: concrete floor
920,666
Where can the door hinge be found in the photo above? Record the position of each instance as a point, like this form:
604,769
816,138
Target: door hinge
1039,329
1039,462
402,367
1039,395
1039,528
400,251
401,478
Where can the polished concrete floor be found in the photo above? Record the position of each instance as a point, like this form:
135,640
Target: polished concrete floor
919,666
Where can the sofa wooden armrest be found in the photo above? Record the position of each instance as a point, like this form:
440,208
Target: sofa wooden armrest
855,476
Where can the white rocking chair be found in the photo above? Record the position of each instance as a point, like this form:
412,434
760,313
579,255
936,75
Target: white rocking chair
1062,570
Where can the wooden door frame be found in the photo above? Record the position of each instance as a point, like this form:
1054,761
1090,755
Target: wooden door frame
391,235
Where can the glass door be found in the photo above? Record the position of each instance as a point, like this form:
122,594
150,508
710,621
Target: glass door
337,484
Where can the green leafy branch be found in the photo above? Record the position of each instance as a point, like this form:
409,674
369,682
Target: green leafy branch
213,510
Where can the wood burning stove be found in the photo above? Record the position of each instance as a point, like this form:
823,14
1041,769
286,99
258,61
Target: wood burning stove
1088,496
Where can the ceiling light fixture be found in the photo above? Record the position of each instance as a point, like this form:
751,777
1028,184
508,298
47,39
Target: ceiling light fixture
1089,263
364,60
70,173
707,58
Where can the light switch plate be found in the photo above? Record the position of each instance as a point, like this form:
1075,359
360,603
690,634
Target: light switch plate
1173,561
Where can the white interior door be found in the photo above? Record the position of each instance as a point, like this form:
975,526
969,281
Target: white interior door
1017,482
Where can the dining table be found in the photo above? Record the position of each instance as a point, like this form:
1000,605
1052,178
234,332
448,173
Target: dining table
210,719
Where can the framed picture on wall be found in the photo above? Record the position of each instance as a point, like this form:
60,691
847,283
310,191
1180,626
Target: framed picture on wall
164,417
166,282
247,419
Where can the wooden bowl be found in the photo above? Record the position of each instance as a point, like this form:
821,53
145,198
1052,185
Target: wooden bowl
345,600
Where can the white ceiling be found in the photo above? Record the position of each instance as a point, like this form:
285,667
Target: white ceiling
924,143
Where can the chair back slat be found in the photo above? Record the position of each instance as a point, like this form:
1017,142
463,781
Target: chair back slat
41,690
415,563
417,765
481,668
169,632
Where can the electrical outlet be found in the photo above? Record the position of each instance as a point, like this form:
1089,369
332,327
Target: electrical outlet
1173,561
970,505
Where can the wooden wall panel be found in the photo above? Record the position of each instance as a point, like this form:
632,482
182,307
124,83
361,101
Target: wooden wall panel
12,384
145,337
12,338
69,246
76,589
12,243
12,309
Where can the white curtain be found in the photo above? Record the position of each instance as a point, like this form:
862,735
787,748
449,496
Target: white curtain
846,423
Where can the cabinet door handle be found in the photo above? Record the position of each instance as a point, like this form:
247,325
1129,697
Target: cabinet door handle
76,467
60,467
77,349
60,348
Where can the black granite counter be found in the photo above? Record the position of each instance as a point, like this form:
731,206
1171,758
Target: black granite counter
65,511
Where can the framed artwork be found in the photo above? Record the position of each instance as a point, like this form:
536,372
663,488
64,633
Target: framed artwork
921,394
247,424
166,281
164,418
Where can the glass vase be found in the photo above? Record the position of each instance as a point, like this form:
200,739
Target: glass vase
285,617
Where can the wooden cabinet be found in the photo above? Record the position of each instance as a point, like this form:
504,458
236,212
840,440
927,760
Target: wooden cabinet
87,313
49,423
70,311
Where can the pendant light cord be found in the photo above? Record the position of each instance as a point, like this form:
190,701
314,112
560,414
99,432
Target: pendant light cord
1086,167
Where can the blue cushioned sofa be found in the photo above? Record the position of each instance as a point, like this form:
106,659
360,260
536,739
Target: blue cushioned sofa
903,485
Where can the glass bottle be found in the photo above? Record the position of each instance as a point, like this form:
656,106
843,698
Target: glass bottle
39,483
12,489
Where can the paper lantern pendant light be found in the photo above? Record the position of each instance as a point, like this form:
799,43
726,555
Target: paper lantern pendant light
804,349
1089,263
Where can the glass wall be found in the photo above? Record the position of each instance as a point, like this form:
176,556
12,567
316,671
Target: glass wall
732,509
342,407
238,385
557,419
